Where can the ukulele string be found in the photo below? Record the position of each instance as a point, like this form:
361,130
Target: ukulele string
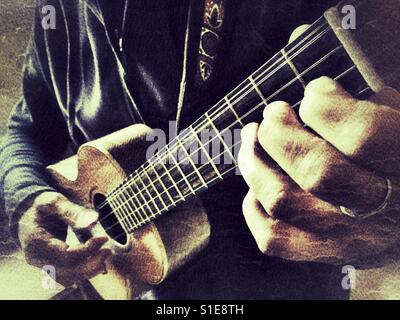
249,87
244,116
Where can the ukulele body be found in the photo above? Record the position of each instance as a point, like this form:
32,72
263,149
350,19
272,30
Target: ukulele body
153,251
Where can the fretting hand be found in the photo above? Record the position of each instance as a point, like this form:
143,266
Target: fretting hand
299,178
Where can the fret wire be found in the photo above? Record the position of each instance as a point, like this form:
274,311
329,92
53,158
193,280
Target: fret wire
137,203
206,153
220,137
230,105
257,89
293,67
179,169
299,102
145,189
154,186
192,163
122,212
137,216
114,205
145,203
148,192
126,208
172,179
162,183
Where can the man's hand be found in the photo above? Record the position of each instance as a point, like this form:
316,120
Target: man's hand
299,177
42,228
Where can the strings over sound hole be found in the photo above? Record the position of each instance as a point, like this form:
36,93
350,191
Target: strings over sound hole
109,221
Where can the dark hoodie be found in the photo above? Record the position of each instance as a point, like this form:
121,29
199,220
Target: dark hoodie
107,66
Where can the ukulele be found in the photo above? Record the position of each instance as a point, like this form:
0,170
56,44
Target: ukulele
150,209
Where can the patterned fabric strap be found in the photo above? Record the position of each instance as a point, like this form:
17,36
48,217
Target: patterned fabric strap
213,18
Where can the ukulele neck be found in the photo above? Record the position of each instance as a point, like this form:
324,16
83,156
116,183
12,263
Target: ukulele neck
205,152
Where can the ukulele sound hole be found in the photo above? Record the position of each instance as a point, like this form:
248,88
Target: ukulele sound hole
109,221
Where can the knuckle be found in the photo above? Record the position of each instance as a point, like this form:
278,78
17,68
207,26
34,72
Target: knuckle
280,203
242,158
360,141
278,113
267,242
356,150
307,111
264,132
246,165
248,205
321,171
293,149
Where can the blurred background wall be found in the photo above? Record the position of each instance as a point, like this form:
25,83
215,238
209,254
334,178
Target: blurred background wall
15,26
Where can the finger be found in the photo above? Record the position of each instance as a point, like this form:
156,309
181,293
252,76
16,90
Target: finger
43,249
94,266
361,130
64,256
258,221
316,166
280,239
72,265
76,216
68,212
82,252
298,32
269,184
387,96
